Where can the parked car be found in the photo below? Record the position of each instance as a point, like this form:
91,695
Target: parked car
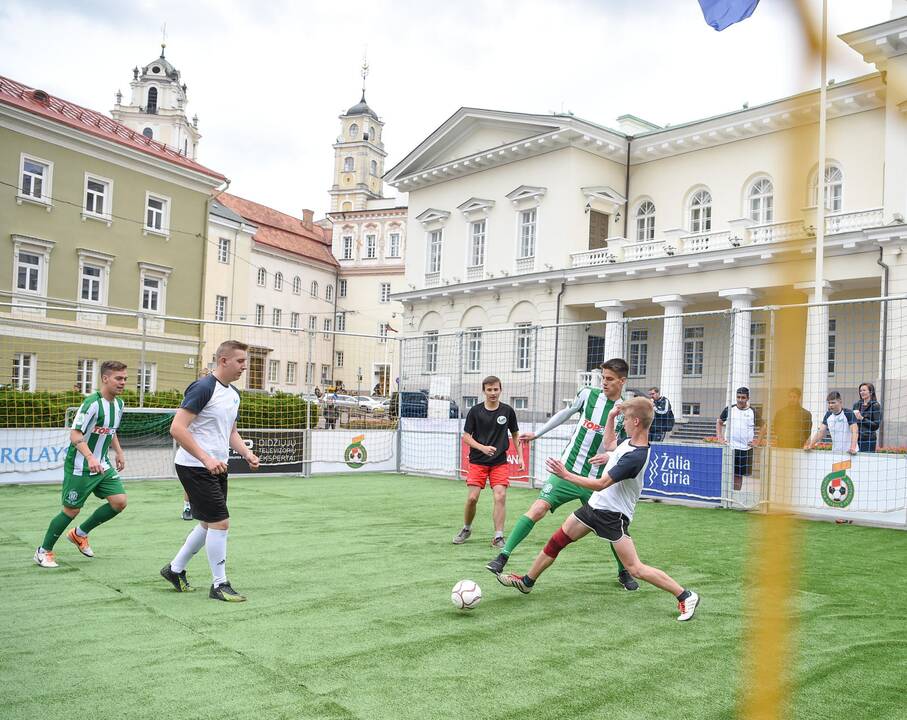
415,405
369,404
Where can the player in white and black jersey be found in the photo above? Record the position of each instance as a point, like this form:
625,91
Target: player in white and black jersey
610,509
205,428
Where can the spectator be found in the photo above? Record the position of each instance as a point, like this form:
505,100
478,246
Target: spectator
742,421
330,411
840,423
664,416
793,422
868,413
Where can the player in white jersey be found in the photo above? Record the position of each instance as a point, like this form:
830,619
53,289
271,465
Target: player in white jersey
205,428
610,509
86,469
592,437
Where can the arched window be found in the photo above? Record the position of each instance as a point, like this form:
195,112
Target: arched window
152,101
148,133
701,212
371,132
329,293
347,164
297,285
262,276
834,188
278,281
314,288
760,201
374,167
645,221
354,131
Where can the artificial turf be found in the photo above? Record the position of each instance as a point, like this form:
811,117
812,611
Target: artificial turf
349,616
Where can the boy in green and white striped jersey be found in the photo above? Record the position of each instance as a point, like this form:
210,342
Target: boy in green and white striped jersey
86,469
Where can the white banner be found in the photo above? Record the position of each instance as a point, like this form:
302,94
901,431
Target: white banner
32,455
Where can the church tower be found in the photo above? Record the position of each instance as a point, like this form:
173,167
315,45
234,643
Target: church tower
157,108
358,157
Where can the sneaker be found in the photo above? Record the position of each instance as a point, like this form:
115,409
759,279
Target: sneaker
687,607
516,581
226,593
498,542
497,565
45,558
80,542
462,536
177,579
187,513
627,580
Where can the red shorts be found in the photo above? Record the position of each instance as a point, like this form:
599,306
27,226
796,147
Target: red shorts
496,474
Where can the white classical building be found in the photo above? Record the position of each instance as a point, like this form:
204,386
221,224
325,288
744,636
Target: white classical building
520,221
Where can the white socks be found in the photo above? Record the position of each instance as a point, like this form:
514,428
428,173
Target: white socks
194,542
216,547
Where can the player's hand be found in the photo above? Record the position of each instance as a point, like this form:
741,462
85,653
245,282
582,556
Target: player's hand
94,466
600,459
853,450
253,461
807,447
556,467
214,466
120,462
527,437
617,409
489,450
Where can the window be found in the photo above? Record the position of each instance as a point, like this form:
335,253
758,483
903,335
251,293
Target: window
347,247
382,332
36,178
151,295
523,346
297,285
693,347
519,402
371,246
372,133
477,244
146,377
385,293
393,245
152,101
278,281
599,225
527,233
347,164
309,373
329,293
470,401
28,272
473,349
343,288
639,352
690,409
354,131
223,251
90,283
276,317
259,315
373,167
761,201
313,323
273,371
262,276
294,321
157,213
834,188
645,221
327,328
325,374
433,263
757,348
153,287
338,358
341,322
832,344
314,289
431,351
85,376
291,373
98,193
25,366
701,212
220,307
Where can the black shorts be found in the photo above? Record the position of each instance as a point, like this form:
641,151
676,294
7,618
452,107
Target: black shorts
743,462
207,493
607,524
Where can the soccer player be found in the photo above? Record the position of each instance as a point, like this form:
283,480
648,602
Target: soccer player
594,433
840,423
744,423
87,470
485,432
609,511
205,428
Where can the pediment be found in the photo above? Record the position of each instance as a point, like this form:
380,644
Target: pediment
432,215
526,192
475,204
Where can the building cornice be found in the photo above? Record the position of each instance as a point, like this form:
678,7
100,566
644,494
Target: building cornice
376,270
878,43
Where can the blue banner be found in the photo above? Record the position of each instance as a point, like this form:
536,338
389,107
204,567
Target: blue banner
684,472
721,14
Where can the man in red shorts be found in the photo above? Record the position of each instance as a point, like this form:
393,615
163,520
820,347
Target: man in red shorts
485,431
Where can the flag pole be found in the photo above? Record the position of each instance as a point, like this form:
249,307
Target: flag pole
820,171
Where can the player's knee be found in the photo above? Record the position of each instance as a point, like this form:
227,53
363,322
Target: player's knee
556,543
71,511
636,569
537,511
118,504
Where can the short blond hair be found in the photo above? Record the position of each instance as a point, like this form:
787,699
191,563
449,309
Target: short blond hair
642,409
228,346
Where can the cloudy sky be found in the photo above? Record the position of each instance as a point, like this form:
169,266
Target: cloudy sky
268,78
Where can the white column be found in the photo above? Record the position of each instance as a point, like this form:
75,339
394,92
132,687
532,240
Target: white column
671,385
815,360
614,329
741,301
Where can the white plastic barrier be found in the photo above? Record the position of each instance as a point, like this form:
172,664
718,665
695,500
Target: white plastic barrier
32,455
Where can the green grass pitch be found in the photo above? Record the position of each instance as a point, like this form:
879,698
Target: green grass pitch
349,615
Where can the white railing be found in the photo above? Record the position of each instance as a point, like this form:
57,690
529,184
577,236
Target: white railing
585,379
776,232
476,272
849,222
524,265
432,279
644,250
600,256
703,242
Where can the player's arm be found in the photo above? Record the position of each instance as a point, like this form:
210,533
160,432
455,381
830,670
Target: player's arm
515,437
119,455
179,431
815,438
559,418
476,445
556,467
760,429
239,447
609,436
77,438
719,425
854,433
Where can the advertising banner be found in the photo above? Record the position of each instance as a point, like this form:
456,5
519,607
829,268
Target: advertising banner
517,474
280,451
32,455
684,472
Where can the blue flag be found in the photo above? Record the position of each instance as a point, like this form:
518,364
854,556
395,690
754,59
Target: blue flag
724,13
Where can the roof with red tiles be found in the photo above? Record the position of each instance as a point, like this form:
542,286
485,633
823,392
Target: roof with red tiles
283,231
92,122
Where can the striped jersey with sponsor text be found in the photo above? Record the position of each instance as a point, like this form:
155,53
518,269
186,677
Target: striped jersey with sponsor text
589,432
98,420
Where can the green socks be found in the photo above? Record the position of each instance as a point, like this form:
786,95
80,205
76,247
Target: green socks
56,528
104,513
620,565
522,528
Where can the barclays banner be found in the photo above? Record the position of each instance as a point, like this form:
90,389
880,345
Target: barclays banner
684,472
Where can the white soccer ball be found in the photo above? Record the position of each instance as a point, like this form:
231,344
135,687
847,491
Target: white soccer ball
466,595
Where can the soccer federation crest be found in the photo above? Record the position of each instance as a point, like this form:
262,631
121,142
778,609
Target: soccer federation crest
837,488
72,496
355,455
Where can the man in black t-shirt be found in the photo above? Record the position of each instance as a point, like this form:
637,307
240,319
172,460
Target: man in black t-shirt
486,433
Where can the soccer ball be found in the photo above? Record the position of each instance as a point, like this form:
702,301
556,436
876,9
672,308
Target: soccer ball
466,595
837,491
